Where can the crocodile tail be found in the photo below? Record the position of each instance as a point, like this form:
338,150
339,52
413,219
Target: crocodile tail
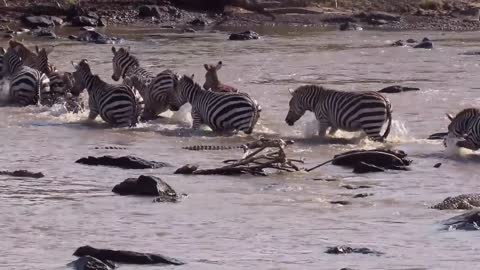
208,147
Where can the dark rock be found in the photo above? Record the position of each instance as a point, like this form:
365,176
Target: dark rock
22,173
102,22
469,221
425,44
92,14
57,20
385,159
398,43
91,263
167,26
438,136
382,16
198,22
341,202
96,37
145,186
4,19
84,21
349,26
362,195
40,21
398,89
73,37
87,28
127,257
189,30
362,167
326,179
464,201
355,187
347,250
411,40
44,32
346,268
437,165
247,35
8,36
187,169
149,11
126,162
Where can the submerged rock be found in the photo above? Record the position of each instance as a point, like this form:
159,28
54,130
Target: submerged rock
341,202
44,32
247,35
464,201
125,162
91,263
425,44
347,250
123,256
186,169
362,195
469,221
398,43
397,89
22,173
146,186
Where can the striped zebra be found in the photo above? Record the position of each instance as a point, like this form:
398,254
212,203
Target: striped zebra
466,125
349,111
59,82
2,70
222,112
154,89
28,86
117,105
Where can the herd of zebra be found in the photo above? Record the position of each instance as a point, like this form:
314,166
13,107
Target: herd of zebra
143,95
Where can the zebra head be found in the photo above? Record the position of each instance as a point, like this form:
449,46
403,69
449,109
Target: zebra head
211,77
122,61
179,96
297,107
29,57
79,77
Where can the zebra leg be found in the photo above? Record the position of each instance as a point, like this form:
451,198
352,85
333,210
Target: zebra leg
332,131
197,119
323,125
92,115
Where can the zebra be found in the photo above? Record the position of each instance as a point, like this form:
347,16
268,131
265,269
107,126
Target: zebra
2,70
466,125
212,82
59,83
28,86
118,105
349,111
222,112
154,89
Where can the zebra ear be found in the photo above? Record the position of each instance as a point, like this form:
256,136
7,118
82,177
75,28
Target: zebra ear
206,66
74,66
449,116
291,91
114,50
2,51
191,77
219,65
37,49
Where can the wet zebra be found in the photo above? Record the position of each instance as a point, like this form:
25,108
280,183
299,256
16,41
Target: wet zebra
2,53
466,125
222,112
59,83
28,86
118,105
212,82
154,89
350,111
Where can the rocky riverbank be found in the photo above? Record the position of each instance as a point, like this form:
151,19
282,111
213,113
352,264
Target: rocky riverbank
349,15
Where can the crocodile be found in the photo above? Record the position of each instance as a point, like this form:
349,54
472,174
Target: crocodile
464,201
110,147
262,142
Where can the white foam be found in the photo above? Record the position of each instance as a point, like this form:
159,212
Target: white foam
452,150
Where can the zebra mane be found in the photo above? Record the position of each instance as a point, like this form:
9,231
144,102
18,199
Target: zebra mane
190,81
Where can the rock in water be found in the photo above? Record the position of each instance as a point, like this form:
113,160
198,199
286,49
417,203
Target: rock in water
128,257
149,11
438,136
347,250
91,263
464,201
398,89
349,26
247,35
425,44
22,173
40,21
146,186
469,221
385,159
126,162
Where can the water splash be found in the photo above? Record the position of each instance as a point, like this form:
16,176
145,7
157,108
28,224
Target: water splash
452,150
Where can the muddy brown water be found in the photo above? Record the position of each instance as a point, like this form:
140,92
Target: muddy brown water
284,221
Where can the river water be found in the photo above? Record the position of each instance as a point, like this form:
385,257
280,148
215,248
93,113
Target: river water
283,221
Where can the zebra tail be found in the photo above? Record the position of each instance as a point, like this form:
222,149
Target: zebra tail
389,125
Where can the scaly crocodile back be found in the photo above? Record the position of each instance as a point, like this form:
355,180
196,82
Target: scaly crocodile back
210,147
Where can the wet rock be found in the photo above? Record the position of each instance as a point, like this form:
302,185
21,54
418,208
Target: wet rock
411,40
371,159
73,37
469,221
189,30
57,20
22,173
425,44
464,201
326,179
91,263
97,38
341,202
187,169
437,165
362,195
377,16
347,250
125,162
102,22
437,136
44,32
362,167
398,43
247,35
398,89
349,26
198,22
149,11
355,187
38,21
146,186
127,257
87,28
84,21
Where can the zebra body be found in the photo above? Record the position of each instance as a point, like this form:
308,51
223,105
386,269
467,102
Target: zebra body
223,112
154,89
349,111
212,82
28,86
118,105
466,125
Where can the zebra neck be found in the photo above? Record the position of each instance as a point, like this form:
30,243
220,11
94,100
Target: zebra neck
93,82
193,92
